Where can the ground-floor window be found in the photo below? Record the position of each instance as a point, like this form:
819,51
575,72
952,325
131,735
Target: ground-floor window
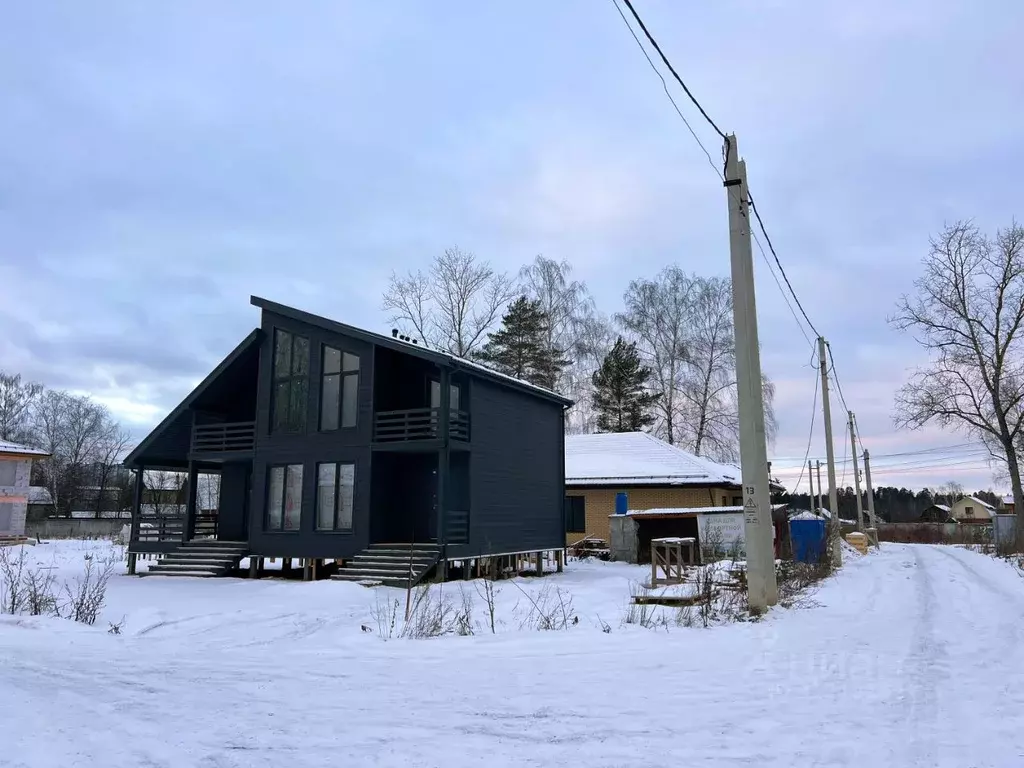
284,498
575,514
335,496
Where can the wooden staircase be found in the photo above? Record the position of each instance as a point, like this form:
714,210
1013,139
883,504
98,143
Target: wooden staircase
203,558
389,565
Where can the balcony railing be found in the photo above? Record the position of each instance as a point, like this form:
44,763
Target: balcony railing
224,437
456,526
418,424
160,528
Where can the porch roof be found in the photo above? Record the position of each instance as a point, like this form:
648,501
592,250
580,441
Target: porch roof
147,452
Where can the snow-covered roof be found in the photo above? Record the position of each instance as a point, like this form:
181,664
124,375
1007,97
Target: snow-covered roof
978,501
1008,499
8,447
39,494
692,511
637,458
943,507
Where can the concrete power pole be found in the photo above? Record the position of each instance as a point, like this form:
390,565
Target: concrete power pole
762,589
871,494
830,457
810,479
856,474
818,465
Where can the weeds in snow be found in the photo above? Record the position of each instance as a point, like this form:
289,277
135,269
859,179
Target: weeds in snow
431,614
551,609
33,590
488,592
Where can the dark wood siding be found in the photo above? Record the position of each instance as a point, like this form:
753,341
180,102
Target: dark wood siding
234,501
516,468
311,447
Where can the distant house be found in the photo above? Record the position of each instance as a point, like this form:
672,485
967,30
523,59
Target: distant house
652,475
40,502
972,510
1008,504
937,513
15,469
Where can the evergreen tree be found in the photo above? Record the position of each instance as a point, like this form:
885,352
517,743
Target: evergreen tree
519,347
621,396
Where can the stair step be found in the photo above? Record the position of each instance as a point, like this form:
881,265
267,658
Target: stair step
194,574
401,553
225,562
393,572
237,553
389,560
162,566
397,583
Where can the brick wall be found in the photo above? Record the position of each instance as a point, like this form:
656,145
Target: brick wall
600,503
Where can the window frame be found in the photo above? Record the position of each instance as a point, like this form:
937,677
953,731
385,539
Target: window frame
337,506
269,483
343,374
297,415
571,514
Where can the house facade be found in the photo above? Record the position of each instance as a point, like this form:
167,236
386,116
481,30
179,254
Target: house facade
972,510
15,472
330,440
652,474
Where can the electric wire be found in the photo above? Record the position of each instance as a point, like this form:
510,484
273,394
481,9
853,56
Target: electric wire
810,438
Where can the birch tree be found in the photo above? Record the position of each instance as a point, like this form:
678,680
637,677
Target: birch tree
453,305
657,315
967,314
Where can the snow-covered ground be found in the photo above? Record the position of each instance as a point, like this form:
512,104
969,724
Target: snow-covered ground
911,656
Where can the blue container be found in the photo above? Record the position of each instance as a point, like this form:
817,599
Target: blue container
808,538
621,503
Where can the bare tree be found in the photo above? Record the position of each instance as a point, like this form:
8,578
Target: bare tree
80,437
968,313
595,339
453,305
16,400
110,448
657,315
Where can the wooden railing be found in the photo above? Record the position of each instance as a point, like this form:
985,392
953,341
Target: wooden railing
171,527
418,424
225,437
456,526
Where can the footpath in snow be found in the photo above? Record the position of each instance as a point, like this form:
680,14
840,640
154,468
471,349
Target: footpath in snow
911,656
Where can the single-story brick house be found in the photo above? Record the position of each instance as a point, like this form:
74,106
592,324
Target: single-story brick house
652,474
15,469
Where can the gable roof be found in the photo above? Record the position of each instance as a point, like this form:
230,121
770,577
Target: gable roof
185,404
979,502
436,356
21,450
637,458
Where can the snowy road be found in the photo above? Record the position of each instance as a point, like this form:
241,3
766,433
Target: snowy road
910,657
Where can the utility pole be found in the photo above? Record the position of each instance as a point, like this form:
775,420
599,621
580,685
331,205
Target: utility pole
762,588
871,494
818,465
830,457
856,474
810,479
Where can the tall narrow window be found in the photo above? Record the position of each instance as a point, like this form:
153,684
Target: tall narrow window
575,514
284,498
291,382
339,389
335,496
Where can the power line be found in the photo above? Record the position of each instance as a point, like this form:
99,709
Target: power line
664,58
668,93
785,277
781,290
810,436
835,375
937,449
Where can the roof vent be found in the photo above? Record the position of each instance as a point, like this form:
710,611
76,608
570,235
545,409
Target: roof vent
394,333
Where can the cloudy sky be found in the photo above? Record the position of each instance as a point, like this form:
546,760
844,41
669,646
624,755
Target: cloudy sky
160,162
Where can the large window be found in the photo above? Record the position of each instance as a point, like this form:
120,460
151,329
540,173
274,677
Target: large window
284,498
291,382
335,496
455,395
339,389
575,514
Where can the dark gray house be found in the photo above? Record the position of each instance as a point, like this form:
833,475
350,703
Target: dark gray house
338,444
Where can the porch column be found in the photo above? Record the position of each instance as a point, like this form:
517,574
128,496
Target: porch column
444,424
189,527
137,501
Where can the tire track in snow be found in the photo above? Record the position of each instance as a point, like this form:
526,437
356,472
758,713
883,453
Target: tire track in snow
926,663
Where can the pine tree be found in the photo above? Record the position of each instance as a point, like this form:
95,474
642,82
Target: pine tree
518,348
621,397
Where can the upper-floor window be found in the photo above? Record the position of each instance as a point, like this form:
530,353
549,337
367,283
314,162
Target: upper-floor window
291,382
455,395
339,389
969,511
